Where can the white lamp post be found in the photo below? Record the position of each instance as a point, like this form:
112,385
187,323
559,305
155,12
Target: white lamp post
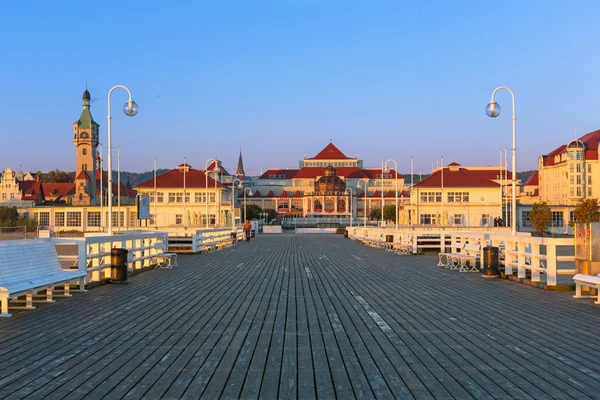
396,170
493,110
130,109
366,181
206,180
349,204
233,202
249,191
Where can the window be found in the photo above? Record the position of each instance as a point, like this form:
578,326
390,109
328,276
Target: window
158,195
178,219
572,191
200,197
578,167
3,196
118,218
589,191
485,219
211,198
84,152
428,219
59,219
571,216
431,197
572,168
557,219
589,179
175,197
579,191
73,218
457,219
458,197
187,197
133,221
525,219
44,218
590,168
12,196
94,218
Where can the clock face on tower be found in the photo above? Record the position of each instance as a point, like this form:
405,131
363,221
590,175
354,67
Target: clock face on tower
84,135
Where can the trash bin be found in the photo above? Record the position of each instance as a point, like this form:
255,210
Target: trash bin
252,233
118,265
490,262
346,233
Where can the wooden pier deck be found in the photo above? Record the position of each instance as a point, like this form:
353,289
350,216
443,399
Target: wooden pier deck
305,316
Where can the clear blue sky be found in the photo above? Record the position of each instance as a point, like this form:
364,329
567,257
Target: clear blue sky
389,79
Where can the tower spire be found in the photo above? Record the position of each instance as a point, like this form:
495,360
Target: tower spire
240,168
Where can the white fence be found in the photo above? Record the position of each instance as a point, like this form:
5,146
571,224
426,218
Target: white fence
549,260
93,252
194,241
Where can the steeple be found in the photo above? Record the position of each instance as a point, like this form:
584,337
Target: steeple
240,168
85,140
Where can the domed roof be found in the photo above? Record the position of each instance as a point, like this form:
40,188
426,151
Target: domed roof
86,95
576,144
330,171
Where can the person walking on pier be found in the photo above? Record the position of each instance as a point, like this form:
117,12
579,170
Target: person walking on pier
247,229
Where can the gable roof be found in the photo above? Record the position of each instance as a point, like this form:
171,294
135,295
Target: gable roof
174,179
53,189
344,172
83,175
533,180
31,190
461,178
284,195
297,194
330,152
492,174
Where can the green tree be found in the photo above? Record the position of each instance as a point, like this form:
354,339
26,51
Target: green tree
58,176
586,210
10,217
375,214
389,212
272,213
540,216
253,212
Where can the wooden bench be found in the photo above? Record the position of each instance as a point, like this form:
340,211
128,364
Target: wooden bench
28,267
467,259
591,281
164,259
450,255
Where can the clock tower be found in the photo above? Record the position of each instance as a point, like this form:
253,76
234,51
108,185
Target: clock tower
85,140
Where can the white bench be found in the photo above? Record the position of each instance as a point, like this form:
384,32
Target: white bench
450,254
591,281
27,267
467,260
164,259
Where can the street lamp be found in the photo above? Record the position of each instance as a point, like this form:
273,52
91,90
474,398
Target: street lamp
493,110
233,201
349,204
366,181
206,180
130,109
250,194
396,170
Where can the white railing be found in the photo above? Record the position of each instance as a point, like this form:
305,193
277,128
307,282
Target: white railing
552,257
94,252
194,241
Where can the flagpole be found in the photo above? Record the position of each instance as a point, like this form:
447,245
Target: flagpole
155,216
184,213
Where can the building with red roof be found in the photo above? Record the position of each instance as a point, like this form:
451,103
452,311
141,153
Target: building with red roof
330,168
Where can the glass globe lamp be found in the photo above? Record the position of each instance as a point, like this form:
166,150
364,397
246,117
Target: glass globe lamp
130,108
493,109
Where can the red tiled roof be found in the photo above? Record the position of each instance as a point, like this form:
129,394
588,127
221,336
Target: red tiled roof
330,152
376,194
283,173
454,164
83,175
58,189
590,140
492,174
214,165
284,195
31,190
372,173
174,179
533,180
270,195
297,194
391,194
404,194
344,172
461,178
